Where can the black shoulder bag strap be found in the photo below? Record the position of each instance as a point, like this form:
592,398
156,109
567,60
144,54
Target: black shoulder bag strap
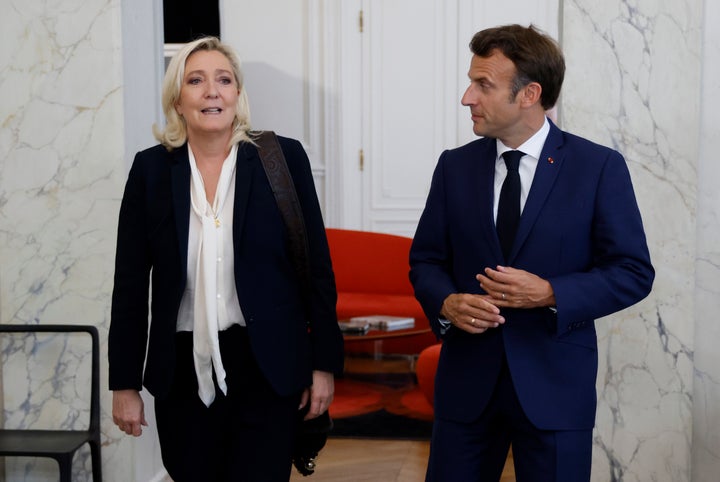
283,188
312,434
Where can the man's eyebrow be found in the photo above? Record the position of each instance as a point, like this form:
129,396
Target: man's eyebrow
480,78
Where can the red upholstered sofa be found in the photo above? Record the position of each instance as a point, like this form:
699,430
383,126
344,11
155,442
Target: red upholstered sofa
371,272
425,369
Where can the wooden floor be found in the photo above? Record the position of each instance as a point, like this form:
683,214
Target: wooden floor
363,460
355,460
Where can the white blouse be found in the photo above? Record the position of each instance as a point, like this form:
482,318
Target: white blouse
210,303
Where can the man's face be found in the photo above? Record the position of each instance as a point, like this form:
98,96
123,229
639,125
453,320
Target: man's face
495,112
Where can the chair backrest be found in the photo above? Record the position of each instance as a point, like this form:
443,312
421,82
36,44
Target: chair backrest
95,369
368,262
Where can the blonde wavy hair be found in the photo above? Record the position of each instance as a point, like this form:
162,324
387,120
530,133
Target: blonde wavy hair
175,132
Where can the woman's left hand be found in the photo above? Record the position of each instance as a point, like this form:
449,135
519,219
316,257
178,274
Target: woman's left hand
319,395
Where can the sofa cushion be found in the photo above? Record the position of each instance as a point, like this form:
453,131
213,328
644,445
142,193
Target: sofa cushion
425,369
366,262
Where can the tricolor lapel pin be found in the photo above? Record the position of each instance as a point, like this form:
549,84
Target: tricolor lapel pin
551,160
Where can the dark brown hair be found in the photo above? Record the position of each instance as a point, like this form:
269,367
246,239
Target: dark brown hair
536,55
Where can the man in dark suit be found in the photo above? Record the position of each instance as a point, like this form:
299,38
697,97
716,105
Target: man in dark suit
513,263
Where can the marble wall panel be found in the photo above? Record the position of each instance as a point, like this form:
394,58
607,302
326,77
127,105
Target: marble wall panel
706,399
61,178
633,83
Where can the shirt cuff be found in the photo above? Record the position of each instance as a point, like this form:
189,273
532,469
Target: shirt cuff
445,325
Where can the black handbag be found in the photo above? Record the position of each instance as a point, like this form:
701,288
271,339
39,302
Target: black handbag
311,435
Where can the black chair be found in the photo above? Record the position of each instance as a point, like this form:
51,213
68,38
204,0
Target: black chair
60,444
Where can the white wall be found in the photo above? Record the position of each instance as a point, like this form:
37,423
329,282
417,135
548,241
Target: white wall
143,71
285,77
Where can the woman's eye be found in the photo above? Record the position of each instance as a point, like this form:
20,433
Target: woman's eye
194,80
226,80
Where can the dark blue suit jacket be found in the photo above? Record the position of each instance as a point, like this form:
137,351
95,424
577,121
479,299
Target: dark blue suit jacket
153,237
580,229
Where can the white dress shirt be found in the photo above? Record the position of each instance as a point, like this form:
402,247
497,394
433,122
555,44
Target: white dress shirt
528,164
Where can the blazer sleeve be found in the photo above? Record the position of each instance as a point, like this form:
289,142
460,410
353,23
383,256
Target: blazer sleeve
326,338
621,273
430,253
127,337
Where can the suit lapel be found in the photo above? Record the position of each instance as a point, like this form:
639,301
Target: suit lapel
549,164
247,158
180,181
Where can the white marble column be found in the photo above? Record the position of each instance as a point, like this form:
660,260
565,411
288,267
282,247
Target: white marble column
633,82
706,393
61,177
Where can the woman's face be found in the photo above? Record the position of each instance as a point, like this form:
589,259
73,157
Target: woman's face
208,95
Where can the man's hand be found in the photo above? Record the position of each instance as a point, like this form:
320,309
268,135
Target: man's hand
515,288
472,313
128,411
319,395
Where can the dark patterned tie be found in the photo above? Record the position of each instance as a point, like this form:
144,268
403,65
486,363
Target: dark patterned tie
508,216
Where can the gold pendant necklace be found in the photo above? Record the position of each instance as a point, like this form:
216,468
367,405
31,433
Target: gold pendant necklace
214,211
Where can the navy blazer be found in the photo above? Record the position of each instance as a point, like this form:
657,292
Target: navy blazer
153,238
580,229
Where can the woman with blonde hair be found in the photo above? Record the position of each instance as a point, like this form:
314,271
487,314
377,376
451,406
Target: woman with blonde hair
235,343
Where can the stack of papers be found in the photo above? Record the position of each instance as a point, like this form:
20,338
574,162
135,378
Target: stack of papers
385,322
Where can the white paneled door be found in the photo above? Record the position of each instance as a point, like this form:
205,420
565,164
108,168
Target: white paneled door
396,60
